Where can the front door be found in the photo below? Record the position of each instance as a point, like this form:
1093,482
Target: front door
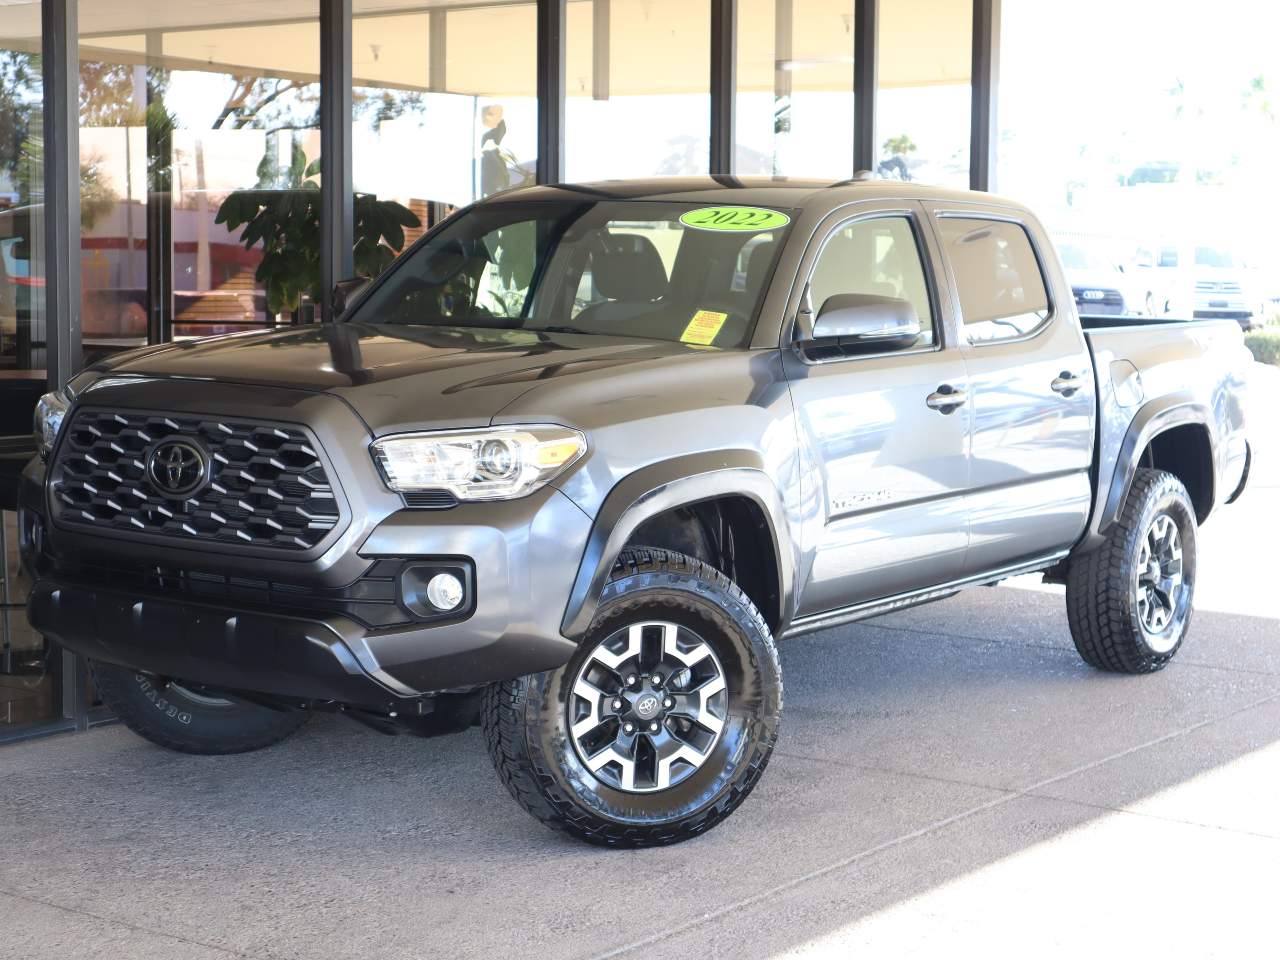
888,463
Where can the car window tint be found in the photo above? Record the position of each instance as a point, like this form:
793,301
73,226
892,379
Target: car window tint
879,257
1001,286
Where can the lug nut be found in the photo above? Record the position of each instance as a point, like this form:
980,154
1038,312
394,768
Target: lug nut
631,680
667,703
629,728
657,679
653,727
617,704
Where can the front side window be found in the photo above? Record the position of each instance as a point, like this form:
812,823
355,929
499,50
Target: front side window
632,268
879,257
1001,287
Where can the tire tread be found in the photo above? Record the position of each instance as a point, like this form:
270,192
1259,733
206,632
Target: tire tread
509,727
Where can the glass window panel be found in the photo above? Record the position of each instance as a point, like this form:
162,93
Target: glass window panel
181,110
880,257
637,80
29,665
445,105
923,103
795,88
1168,149
1001,286
610,268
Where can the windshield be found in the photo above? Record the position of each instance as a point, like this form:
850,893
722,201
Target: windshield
666,271
1081,258
1215,257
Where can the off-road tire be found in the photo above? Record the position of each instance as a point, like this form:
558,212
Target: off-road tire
1102,608
176,718
527,727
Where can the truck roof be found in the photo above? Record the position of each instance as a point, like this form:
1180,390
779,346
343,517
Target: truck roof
769,191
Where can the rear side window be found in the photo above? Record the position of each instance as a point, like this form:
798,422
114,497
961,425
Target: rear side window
1001,286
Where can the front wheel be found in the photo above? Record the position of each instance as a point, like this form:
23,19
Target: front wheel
1129,602
662,722
188,720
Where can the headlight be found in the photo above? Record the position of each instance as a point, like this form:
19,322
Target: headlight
51,410
498,464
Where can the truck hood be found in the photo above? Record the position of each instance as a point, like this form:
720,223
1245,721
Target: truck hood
397,377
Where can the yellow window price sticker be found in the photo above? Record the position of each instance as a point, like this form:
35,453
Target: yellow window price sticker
704,327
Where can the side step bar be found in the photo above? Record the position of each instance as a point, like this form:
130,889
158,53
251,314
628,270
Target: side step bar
874,608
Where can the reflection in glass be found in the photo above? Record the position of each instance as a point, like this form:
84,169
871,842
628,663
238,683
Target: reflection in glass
28,685
923,100
637,79
795,88
445,106
178,111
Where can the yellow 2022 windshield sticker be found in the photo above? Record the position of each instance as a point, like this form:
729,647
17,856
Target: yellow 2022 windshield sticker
704,327
735,219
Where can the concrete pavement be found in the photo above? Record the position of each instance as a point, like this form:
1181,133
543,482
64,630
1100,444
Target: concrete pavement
950,779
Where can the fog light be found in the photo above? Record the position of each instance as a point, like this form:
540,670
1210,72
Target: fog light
444,591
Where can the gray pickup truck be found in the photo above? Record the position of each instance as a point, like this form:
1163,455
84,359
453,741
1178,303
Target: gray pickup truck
570,467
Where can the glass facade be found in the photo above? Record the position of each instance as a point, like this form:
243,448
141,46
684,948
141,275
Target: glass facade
178,112
795,108
923,98
199,124
445,106
1163,200
629,113
29,667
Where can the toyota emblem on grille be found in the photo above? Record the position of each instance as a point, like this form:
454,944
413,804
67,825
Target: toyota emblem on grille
177,467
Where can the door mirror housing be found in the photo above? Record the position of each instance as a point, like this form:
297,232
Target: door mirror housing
344,291
865,323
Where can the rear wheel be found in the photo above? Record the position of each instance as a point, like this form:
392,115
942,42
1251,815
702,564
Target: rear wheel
188,720
660,725
1129,602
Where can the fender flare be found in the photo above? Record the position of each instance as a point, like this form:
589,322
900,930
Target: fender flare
1151,420
678,482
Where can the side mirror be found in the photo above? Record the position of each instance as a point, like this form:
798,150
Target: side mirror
344,291
864,323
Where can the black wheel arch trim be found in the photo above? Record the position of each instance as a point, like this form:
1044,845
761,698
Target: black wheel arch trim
1244,474
679,482
1154,418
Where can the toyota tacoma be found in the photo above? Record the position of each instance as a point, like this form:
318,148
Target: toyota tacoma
574,463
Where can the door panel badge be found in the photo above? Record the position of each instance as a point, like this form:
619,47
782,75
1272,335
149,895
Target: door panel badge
862,500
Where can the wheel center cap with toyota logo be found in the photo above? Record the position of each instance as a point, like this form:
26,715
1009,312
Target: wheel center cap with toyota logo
177,468
647,706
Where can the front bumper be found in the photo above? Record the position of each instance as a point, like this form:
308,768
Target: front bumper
227,619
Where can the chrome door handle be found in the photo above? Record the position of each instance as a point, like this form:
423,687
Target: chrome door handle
1066,383
946,399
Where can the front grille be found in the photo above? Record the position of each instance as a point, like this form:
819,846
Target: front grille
1100,295
266,485
1217,286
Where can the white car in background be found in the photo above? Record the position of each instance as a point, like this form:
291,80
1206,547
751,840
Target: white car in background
1101,286
1206,281
1226,287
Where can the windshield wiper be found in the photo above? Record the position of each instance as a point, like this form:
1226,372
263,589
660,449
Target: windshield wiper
561,329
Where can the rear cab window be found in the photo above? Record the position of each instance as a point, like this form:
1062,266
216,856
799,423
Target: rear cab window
998,278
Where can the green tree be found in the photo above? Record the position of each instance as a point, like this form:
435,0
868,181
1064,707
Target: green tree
899,146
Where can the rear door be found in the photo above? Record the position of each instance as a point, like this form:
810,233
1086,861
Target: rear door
1031,388
884,472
